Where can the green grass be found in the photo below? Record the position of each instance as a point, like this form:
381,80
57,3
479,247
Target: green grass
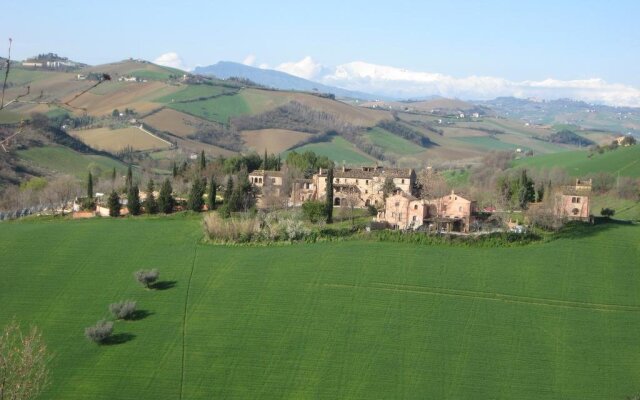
338,150
65,160
160,75
488,142
624,161
625,209
218,109
8,117
21,76
194,92
392,143
344,320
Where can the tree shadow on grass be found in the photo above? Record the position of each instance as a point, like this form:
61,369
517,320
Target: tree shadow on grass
164,285
118,338
580,230
140,314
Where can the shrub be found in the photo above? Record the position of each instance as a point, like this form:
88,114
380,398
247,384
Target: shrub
123,310
99,332
147,277
314,211
372,210
296,230
607,212
231,229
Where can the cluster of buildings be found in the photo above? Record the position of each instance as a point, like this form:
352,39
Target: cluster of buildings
363,187
50,61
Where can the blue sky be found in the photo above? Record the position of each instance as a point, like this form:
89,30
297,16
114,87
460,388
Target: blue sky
513,40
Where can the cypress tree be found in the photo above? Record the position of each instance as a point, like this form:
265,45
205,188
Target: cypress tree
150,204
203,161
113,176
329,196
166,201
196,201
265,162
229,190
114,204
211,200
174,170
129,180
133,200
90,186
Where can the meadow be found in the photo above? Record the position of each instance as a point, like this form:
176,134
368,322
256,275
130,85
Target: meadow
338,150
114,140
66,161
624,161
348,320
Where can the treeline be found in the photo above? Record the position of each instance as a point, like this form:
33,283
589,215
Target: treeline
566,136
399,129
219,135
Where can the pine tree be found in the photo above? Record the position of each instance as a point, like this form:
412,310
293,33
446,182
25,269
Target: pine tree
150,204
203,161
329,196
114,204
166,202
211,200
196,202
133,200
229,190
129,180
90,186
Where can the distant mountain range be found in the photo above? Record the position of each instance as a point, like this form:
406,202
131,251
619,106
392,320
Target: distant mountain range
276,79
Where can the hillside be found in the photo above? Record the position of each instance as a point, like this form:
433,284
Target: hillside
624,161
313,321
183,114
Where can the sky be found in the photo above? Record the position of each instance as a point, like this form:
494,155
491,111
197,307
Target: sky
585,49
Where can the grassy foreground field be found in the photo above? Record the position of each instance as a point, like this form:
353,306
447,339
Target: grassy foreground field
345,320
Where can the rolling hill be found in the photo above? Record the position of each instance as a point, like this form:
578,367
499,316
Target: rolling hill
191,113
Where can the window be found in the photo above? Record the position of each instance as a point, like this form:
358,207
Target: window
356,181
366,192
574,199
403,181
415,218
273,180
415,208
337,180
366,181
397,204
577,199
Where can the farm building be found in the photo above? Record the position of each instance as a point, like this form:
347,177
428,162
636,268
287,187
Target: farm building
572,202
451,213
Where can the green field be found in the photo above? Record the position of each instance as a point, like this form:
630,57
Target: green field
194,92
338,150
342,320
218,109
391,142
67,161
488,142
624,161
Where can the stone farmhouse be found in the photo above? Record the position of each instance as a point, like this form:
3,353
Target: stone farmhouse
359,187
572,202
449,213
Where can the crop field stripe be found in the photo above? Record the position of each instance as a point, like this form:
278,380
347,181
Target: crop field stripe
493,296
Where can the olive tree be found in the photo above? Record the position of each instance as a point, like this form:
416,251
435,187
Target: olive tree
147,277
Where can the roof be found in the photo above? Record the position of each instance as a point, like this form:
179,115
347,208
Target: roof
369,172
261,172
407,196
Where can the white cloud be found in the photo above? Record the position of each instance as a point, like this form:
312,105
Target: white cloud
397,82
172,60
249,60
306,68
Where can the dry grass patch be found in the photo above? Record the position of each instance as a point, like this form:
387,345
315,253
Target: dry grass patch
118,139
175,122
274,140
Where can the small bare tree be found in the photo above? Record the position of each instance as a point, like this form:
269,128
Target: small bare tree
123,309
23,363
99,332
147,277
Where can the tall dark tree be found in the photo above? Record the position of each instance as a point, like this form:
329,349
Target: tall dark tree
133,200
129,180
211,198
113,202
150,204
166,202
203,161
329,196
265,162
90,186
228,190
174,170
195,201
113,176
388,187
